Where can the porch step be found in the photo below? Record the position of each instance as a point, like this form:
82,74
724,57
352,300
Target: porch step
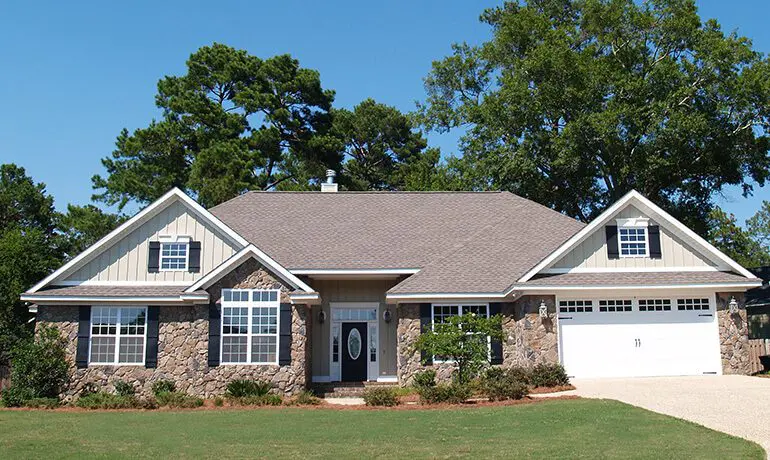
347,389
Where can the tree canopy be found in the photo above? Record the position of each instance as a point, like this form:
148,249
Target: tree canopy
572,103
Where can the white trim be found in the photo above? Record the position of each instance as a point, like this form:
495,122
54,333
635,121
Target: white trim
240,257
138,219
356,272
646,243
32,309
633,222
561,271
174,239
388,379
372,368
117,336
186,256
321,379
250,305
715,286
121,283
307,299
589,229
70,300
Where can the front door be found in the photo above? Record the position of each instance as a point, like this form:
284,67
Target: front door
354,352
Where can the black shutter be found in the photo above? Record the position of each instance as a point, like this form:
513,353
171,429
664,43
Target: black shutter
426,321
284,335
496,345
194,257
653,231
84,334
151,352
153,261
613,251
215,321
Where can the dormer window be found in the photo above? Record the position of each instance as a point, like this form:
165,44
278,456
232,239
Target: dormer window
173,253
633,238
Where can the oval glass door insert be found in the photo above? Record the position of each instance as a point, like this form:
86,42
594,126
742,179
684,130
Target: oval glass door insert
354,344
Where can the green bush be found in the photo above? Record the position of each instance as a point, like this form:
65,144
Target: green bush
219,402
305,398
424,378
243,388
42,403
177,399
498,384
548,375
88,389
39,367
104,400
163,386
262,400
124,388
452,393
380,397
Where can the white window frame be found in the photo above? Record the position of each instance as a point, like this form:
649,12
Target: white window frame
459,313
250,304
174,239
117,337
635,223
373,367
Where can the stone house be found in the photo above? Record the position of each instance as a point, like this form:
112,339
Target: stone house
303,287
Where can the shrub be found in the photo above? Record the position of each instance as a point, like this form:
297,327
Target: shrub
219,402
42,403
424,378
39,367
548,375
380,397
88,389
104,400
177,399
452,393
243,388
163,386
498,384
262,400
124,388
306,398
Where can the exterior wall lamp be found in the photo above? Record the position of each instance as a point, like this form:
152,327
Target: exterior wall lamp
321,316
387,316
543,310
733,305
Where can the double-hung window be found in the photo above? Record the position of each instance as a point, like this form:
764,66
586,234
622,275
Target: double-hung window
442,313
633,239
118,335
174,252
250,326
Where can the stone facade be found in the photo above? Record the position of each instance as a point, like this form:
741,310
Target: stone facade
733,335
183,346
527,339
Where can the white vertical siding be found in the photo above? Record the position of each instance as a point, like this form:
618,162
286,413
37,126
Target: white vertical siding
126,260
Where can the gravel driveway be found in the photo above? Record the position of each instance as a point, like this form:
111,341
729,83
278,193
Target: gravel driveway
734,404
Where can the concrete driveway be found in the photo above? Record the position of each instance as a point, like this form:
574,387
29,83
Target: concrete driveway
734,404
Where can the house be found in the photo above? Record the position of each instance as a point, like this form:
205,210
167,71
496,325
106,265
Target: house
302,287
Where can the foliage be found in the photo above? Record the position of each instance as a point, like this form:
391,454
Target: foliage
85,225
727,236
758,227
269,399
500,384
39,367
241,388
426,378
16,396
104,400
380,396
572,103
177,399
42,403
305,398
163,386
463,341
124,388
88,389
232,122
219,401
548,375
451,393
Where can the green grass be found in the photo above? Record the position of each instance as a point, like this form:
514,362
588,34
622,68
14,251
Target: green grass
553,429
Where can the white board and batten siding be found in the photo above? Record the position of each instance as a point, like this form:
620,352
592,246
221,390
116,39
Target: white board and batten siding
126,260
592,253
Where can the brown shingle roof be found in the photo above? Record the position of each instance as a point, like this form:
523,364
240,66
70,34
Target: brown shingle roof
113,291
636,279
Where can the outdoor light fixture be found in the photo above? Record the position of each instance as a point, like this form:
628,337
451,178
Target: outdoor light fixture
321,316
733,305
387,315
543,310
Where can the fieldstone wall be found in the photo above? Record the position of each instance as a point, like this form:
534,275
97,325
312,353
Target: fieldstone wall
527,339
183,346
733,334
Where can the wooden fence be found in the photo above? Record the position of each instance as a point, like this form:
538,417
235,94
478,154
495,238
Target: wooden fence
5,377
757,348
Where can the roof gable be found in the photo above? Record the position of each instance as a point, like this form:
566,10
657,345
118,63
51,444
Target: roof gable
662,218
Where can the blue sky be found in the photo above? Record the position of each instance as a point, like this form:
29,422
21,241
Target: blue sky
73,74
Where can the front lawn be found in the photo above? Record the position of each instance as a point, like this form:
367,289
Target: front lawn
554,429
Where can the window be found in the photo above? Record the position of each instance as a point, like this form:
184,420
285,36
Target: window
692,304
118,335
614,306
633,241
249,326
655,305
576,306
441,313
173,256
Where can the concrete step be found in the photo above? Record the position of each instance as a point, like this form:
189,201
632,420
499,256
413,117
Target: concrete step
347,389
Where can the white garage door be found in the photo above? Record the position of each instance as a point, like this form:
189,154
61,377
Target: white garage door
635,337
